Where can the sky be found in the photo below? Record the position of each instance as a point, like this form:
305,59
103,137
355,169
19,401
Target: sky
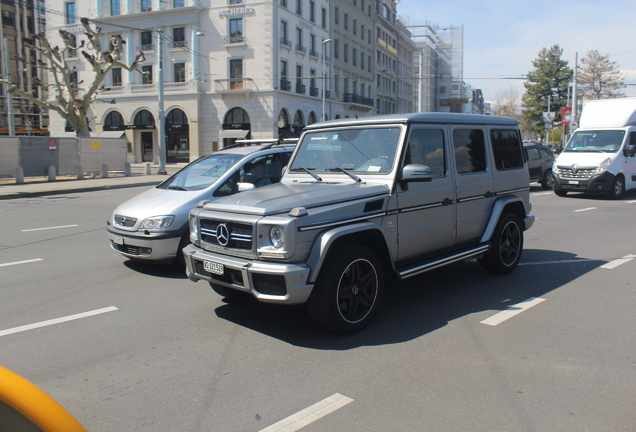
503,37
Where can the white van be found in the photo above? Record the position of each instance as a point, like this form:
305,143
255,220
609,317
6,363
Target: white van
600,155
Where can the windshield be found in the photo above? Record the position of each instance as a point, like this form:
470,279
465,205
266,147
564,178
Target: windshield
368,150
596,141
201,173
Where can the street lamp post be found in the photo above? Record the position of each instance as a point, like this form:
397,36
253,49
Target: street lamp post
324,78
161,120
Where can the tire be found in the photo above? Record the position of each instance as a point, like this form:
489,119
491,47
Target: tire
179,260
548,181
618,188
560,193
233,295
507,246
348,290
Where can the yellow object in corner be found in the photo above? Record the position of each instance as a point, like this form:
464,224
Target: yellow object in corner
24,406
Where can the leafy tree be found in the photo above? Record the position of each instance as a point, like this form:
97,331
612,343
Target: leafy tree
599,78
550,78
66,102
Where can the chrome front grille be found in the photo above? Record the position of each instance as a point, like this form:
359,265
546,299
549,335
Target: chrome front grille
124,221
226,234
578,173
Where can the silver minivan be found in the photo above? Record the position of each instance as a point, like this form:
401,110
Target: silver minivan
153,226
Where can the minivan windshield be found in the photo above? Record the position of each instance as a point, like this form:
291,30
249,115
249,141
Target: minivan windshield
596,141
201,173
362,150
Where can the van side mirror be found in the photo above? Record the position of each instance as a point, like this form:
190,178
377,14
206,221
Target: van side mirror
415,173
630,151
242,187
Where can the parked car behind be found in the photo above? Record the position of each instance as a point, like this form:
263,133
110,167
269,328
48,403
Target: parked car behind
153,226
540,159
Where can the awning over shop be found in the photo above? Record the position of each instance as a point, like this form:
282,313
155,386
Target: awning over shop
112,134
286,133
233,133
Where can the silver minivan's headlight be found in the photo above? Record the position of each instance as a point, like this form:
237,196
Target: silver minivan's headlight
277,236
157,222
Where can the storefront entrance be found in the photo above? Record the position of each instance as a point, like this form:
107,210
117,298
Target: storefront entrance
146,146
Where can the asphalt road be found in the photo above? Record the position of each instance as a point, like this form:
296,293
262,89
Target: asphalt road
159,353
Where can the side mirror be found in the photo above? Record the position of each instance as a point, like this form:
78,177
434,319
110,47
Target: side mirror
242,187
630,151
415,173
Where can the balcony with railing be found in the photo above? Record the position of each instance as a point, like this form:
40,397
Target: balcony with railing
234,40
285,85
146,47
177,45
300,88
357,99
314,91
314,53
285,42
234,85
105,7
301,48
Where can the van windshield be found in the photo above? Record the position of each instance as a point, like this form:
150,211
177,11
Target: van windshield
201,173
596,141
368,150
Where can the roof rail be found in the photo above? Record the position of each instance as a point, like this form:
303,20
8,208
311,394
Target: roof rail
266,143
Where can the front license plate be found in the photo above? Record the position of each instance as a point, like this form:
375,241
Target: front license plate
118,240
573,182
213,267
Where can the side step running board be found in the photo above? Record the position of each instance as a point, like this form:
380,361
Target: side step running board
422,268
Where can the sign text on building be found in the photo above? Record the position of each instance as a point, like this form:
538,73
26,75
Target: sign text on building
236,11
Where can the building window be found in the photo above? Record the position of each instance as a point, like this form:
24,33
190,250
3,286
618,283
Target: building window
299,7
146,78
116,77
146,5
354,24
362,32
354,56
178,3
233,2
179,72
236,74
312,11
324,18
146,41
312,46
345,53
336,14
178,37
299,40
70,13
361,60
336,48
115,7
346,21
236,30
283,3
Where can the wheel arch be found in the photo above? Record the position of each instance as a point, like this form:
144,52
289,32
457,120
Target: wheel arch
365,234
503,205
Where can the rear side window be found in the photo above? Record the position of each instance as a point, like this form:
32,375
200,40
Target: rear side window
470,151
506,149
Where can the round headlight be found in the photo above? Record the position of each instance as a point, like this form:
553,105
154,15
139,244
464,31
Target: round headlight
277,237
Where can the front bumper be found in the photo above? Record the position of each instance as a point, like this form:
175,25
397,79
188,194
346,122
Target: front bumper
141,246
601,183
269,282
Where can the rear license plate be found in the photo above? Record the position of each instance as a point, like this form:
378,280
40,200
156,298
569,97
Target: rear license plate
213,267
573,182
118,240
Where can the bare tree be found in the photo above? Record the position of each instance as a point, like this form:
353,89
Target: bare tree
507,103
67,102
599,78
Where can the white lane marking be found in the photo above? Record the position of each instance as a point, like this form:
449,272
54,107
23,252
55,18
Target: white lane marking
629,202
57,321
512,311
48,228
20,262
558,262
585,209
613,264
309,415
543,193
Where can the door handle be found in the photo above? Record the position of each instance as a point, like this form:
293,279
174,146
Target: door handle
447,201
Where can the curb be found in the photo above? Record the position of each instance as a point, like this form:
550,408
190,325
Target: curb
14,195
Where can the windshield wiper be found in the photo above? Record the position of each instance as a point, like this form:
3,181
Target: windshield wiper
307,170
353,176
180,188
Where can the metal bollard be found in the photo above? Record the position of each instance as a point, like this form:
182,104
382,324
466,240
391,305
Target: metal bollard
127,171
104,171
147,168
80,172
19,175
52,175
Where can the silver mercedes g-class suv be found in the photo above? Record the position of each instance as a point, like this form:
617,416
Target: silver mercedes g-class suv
361,199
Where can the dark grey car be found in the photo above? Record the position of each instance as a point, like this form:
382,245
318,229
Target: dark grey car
540,159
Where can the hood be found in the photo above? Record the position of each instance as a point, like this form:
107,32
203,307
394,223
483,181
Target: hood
282,197
582,159
156,202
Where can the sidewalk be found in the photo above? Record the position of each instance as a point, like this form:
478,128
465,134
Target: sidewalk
40,186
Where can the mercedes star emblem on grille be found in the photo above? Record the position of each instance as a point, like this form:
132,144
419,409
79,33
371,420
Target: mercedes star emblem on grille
222,234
